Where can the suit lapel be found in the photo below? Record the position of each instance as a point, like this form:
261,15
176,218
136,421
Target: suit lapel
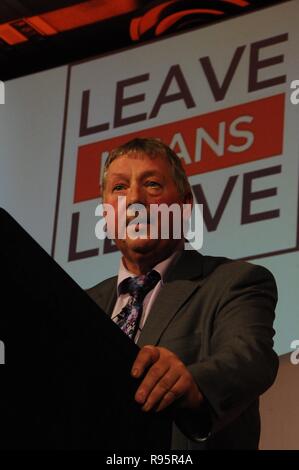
105,294
171,297
111,301
180,283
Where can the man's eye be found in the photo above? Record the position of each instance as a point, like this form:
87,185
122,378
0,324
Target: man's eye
154,184
118,187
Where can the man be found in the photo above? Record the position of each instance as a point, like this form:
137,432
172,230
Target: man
204,325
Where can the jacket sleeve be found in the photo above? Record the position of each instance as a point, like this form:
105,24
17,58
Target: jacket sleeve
241,363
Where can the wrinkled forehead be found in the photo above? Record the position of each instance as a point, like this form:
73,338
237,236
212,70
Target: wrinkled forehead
154,159
140,155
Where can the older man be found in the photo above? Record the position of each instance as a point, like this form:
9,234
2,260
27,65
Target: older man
204,324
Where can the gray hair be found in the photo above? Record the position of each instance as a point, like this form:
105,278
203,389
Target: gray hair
152,148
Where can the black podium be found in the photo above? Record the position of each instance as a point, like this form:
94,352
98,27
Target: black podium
66,379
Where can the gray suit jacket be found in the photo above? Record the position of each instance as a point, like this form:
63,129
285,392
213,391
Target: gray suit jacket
216,314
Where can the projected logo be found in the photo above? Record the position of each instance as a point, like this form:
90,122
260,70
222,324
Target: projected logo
222,111
161,17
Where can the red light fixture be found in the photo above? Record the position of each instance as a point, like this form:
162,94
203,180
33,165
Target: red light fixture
160,17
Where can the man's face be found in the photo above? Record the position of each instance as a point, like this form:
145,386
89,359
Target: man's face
141,180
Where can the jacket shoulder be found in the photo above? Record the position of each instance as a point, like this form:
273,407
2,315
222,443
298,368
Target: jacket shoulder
237,276
224,266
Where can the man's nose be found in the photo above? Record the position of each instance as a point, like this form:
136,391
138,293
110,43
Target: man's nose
135,195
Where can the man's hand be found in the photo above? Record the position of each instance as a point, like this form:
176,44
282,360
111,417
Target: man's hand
167,379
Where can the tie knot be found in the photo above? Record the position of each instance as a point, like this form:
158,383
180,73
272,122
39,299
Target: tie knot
139,286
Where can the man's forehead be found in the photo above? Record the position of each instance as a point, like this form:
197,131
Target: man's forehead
140,155
153,160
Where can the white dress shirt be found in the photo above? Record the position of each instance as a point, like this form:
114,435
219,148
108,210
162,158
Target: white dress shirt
122,299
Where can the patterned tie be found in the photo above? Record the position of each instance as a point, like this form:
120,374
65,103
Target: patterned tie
129,317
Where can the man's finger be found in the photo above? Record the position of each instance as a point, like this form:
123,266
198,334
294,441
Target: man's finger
176,391
155,374
147,356
165,385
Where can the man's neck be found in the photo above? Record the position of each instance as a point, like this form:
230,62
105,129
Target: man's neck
142,267
146,263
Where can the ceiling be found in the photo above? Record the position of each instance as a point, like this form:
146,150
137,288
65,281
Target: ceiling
37,35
